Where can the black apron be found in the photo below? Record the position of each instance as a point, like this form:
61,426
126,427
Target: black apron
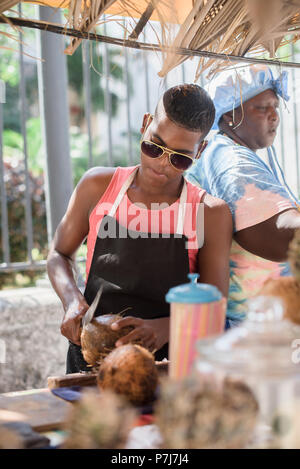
136,270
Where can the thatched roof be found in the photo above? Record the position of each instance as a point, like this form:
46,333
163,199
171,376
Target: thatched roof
231,27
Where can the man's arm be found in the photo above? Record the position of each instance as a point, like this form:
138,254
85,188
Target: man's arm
270,239
213,258
69,235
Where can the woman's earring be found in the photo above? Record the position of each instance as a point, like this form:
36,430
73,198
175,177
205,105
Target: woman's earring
230,124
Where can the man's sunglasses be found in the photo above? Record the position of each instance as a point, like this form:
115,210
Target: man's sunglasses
179,161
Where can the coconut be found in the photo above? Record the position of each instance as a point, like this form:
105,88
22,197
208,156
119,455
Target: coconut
130,371
98,339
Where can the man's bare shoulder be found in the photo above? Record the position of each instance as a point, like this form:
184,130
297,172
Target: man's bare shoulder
96,179
214,203
218,224
98,175
217,213
92,186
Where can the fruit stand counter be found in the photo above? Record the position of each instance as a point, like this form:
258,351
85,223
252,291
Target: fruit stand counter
38,415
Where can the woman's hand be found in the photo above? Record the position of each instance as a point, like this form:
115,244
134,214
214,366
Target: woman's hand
150,333
71,324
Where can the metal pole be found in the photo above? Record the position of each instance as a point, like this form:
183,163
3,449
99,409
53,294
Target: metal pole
183,73
107,99
4,214
146,77
52,75
129,138
87,95
296,125
28,207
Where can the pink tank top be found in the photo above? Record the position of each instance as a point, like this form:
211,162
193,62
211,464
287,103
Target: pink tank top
162,219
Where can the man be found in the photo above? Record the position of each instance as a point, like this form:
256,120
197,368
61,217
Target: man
136,250
263,208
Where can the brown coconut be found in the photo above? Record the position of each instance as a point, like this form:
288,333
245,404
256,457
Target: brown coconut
98,339
288,290
130,371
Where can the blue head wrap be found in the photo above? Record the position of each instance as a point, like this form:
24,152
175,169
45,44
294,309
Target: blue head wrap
232,87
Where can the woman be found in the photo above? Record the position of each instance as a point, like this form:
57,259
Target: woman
263,208
138,248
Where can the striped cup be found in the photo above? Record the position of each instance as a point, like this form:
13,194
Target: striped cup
197,311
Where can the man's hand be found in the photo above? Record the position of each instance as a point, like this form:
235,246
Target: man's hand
151,333
71,324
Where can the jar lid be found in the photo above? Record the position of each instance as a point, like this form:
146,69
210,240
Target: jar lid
263,342
193,292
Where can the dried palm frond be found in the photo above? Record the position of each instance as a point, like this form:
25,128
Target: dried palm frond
7,4
4,6
212,27
84,16
234,27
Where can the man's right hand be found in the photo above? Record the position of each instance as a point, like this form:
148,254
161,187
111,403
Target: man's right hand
71,324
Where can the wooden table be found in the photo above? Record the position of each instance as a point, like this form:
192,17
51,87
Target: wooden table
43,411
38,407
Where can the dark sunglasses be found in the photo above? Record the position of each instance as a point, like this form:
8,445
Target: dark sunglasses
179,161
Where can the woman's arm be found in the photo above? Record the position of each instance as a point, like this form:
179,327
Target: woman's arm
270,239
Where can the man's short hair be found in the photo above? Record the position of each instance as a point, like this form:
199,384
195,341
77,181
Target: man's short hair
189,106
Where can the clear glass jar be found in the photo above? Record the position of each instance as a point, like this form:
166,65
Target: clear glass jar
264,353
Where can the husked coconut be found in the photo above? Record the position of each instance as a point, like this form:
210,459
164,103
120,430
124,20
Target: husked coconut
130,371
98,339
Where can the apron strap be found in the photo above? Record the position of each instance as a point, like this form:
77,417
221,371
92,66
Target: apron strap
122,192
181,208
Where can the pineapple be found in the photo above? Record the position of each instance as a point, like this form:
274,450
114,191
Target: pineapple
99,421
288,288
192,414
